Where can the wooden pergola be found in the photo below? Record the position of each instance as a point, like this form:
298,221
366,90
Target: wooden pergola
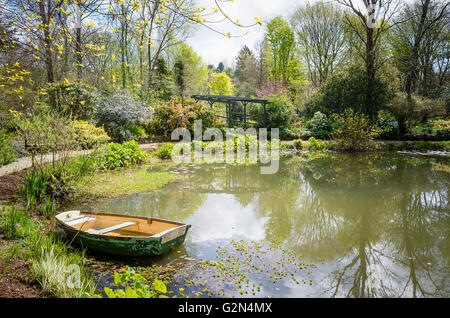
230,101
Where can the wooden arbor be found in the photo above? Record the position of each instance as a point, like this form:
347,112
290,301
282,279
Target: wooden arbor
233,116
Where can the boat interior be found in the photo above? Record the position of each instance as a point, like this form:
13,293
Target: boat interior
115,225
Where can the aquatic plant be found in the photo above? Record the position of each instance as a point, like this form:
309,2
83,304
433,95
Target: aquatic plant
129,284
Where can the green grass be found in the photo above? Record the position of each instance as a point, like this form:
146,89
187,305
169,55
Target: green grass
125,182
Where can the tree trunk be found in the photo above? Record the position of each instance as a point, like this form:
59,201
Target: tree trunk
48,52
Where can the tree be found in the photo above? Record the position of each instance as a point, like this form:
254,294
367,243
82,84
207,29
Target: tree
195,71
281,41
321,37
369,21
246,73
220,68
220,84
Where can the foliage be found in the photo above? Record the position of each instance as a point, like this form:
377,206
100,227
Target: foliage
14,223
7,153
389,127
278,111
53,272
118,113
349,90
113,155
318,145
165,152
320,125
417,110
87,135
181,113
73,99
354,132
129,284
193,74
220,84
59,179
442,127
282,44
43,131
321,39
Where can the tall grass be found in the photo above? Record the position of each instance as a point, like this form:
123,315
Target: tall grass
14,223
61,277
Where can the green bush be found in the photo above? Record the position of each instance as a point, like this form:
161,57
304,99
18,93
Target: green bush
318,145
7,154
320,126
389,127
113,155
87,135
165,152
177,113
349,90
73,99
354,132
279,112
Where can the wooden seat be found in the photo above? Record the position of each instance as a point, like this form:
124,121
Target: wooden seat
112,228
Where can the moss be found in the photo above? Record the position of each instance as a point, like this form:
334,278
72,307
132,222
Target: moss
125,182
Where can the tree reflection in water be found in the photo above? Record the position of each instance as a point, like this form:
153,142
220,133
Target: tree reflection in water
381,221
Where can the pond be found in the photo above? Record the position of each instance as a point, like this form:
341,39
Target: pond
326,225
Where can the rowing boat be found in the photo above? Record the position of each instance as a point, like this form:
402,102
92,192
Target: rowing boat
122,234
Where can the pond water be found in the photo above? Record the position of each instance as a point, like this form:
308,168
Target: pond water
367,225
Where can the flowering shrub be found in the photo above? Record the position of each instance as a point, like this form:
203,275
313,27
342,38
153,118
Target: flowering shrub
320,126
74,99
389,127
88,136
181,113
119,113
354,132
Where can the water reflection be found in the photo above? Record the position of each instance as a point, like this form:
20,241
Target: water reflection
380,221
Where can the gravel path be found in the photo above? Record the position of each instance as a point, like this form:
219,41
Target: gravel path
25,162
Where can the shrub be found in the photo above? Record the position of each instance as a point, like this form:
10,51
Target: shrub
165,152
320,126
74,99
418,110
181,113
43,131
113,156
88,136
7,153
119,113
349,90
442,127
389,127
318,145
279,112
354,132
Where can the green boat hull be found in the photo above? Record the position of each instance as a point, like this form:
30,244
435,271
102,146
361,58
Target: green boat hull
125,246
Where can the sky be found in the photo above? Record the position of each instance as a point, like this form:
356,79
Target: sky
215,48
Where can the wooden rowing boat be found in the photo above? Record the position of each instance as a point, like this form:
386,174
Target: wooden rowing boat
121,234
